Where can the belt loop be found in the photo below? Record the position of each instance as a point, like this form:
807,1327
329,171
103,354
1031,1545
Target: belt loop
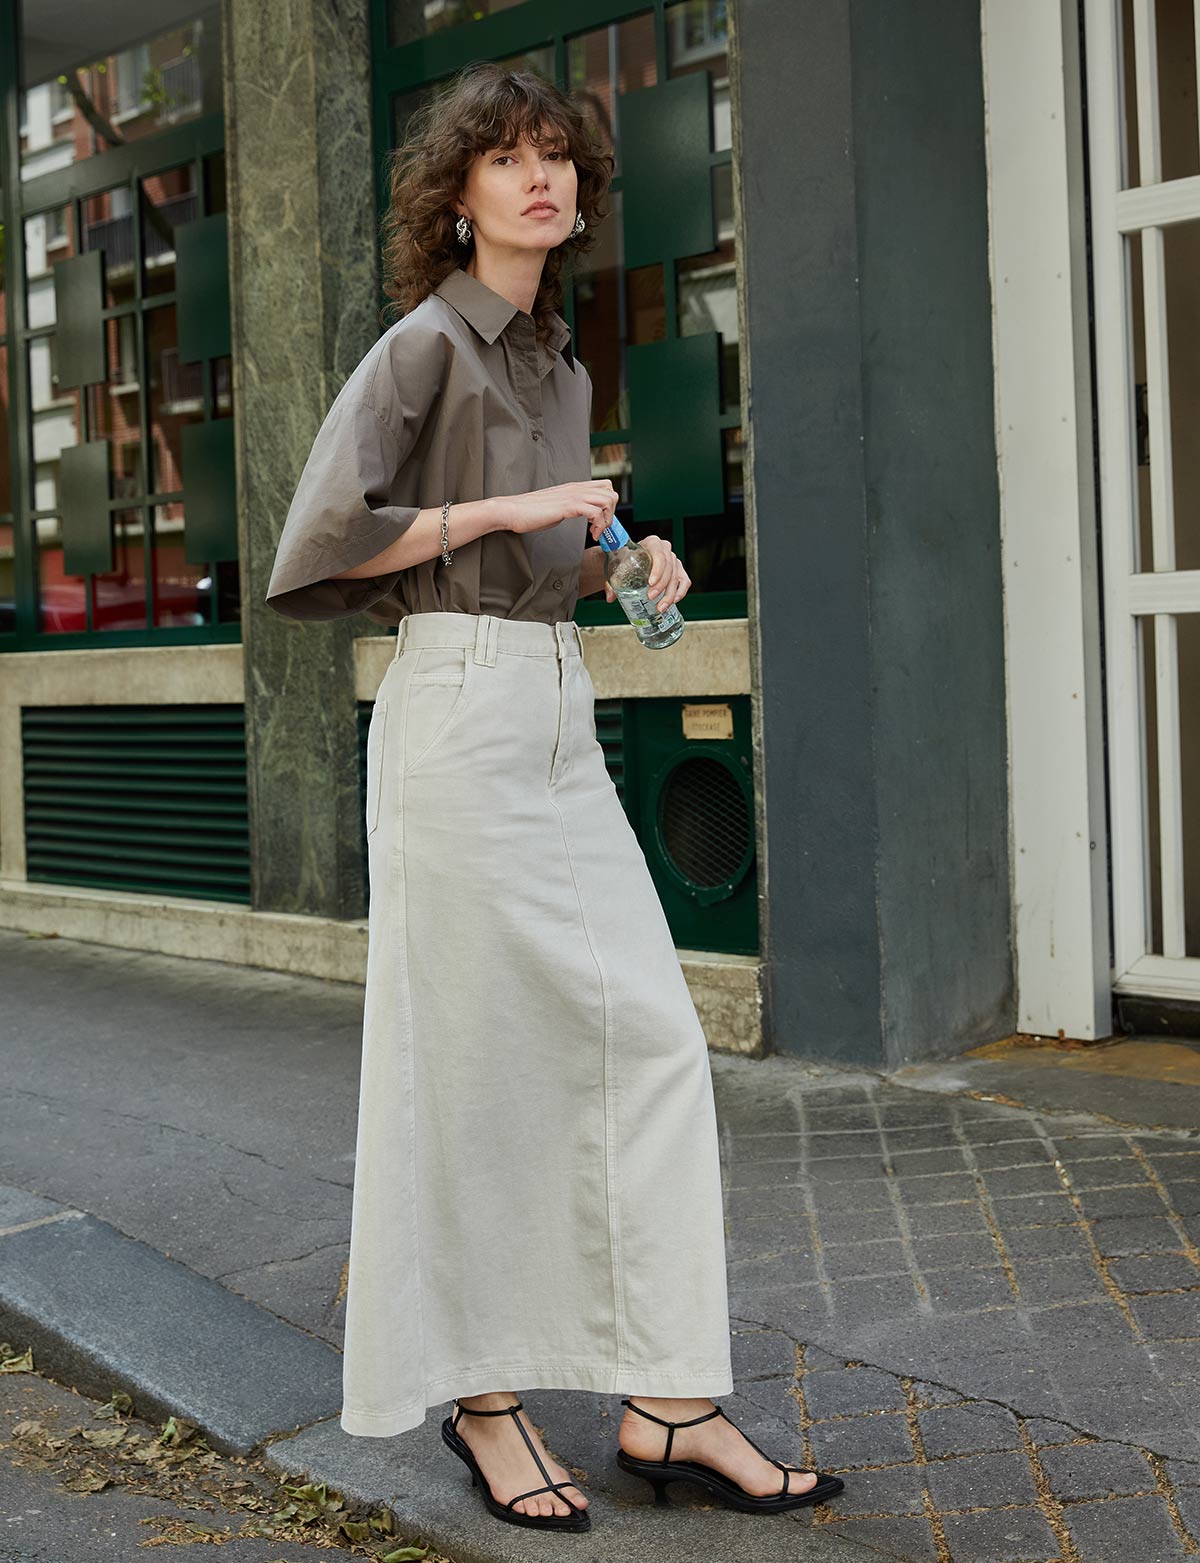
486,631
400,636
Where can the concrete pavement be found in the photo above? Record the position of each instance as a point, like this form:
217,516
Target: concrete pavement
985,1313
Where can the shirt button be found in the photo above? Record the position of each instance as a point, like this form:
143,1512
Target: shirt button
557,585
536,435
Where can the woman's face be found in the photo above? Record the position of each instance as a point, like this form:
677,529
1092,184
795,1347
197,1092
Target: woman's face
521,197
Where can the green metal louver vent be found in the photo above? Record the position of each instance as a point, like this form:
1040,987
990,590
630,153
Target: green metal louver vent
610,734
140,798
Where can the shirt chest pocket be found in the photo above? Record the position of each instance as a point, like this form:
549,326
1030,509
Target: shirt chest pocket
438,686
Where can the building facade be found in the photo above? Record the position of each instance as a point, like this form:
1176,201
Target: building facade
888,330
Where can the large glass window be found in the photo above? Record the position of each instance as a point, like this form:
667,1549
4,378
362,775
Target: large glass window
119,520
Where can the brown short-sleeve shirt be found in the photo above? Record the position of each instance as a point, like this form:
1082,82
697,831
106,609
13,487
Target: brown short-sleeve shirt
457,400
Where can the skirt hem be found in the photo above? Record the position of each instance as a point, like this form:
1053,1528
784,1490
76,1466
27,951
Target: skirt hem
532,1375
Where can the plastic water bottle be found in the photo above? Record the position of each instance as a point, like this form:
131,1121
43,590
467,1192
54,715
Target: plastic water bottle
627,567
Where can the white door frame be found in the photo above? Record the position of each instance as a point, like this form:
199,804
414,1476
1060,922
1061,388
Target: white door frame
1043,406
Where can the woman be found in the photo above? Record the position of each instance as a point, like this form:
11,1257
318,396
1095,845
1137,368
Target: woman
537,1193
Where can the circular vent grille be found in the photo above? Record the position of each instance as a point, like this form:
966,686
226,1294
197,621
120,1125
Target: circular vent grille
705,821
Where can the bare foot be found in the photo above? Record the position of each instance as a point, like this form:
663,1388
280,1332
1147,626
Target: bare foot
504,1456
716,1442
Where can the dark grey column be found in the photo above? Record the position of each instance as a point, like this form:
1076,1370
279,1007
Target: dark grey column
876,543
303,255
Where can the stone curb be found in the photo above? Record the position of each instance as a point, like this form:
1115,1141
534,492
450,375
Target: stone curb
103,1311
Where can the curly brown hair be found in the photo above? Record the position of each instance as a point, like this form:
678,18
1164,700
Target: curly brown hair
485,106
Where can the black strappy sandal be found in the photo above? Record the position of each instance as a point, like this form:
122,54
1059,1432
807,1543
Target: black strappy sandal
659,1472
579,1520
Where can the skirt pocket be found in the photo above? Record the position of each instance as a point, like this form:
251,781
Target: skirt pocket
438,686
375,737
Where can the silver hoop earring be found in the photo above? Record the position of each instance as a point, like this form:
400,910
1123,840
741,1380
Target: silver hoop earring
463,228
580,225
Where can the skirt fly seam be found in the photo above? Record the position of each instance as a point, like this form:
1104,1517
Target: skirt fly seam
610,1112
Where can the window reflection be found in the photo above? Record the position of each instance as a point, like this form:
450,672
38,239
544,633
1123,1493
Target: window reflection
605,64
168,200
708,289
182,591
412,19
108,226
8,581
56,422
176,398
698,40
115,407
62,599
49,238
6,497
119,595
91,83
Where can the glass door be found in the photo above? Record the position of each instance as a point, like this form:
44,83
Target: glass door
1144,155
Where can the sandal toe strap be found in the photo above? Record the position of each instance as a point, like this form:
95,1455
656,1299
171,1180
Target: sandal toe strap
549,1487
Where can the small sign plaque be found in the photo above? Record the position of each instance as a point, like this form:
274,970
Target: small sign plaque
708,721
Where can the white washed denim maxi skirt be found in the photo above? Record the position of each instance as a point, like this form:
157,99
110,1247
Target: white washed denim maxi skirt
537,1186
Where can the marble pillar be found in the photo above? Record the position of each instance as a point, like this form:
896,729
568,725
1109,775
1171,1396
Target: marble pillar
304,268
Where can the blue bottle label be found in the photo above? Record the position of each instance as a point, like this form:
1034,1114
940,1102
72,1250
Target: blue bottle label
614,536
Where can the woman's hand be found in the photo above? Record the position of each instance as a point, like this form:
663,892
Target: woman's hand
542,508
667,576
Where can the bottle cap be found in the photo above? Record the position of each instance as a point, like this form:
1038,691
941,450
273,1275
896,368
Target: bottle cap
613,537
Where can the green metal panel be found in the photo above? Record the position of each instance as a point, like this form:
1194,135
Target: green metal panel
666,161
140,798
202,307
83,504
78,300
693,813
210,503
675,410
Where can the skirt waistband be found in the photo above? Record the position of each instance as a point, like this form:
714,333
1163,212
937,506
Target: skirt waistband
490,635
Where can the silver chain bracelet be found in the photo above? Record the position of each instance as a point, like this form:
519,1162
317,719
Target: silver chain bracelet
447,551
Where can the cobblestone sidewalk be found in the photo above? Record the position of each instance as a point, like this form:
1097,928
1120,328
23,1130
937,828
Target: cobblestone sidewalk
987,1319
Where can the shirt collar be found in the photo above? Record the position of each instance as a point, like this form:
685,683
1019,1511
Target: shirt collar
489,312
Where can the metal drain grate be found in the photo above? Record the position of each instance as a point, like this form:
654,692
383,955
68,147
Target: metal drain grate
705,821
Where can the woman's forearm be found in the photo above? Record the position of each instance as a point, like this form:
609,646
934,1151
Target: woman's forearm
423,539
591,572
